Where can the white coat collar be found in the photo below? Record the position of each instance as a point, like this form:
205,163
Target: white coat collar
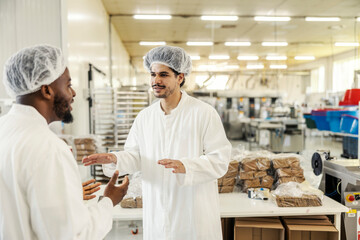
28,112
184,95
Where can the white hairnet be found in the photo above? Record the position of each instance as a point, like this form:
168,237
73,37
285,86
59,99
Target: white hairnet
30,68
173,57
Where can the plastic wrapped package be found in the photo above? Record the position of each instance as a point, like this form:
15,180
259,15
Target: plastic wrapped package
290,172
255,163
254,183
86,145
263,163
133,197
225,189
260,174
290,179
233,169
246,175
224,181
267,182
293,194
286,160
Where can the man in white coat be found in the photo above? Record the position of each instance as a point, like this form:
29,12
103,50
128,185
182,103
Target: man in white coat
41,193
180,146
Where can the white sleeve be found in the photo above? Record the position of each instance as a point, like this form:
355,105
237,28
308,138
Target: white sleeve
213,164
56,201
128,161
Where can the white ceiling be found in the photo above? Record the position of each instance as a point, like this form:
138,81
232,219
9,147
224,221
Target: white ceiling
304,38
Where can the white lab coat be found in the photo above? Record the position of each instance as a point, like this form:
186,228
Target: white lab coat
178,206
41,192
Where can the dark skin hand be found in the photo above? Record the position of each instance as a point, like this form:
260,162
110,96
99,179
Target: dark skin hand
177,165
90,187
116,193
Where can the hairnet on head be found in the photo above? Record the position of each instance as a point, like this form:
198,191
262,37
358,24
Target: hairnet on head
173,57
30,68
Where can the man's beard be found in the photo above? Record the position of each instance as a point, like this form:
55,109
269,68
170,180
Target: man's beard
62,109
167,93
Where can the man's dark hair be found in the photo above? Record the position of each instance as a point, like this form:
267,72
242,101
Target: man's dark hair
177,74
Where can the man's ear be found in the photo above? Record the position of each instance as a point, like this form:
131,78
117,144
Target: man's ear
46,91
181,78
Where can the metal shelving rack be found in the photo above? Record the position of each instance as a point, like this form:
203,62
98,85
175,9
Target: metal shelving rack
126,107
113,112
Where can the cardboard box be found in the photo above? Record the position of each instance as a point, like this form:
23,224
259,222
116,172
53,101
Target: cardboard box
258,229
310,229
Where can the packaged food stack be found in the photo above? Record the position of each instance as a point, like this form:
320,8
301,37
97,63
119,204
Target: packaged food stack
255,172
131,203
227,182
293,194
84,147
287,168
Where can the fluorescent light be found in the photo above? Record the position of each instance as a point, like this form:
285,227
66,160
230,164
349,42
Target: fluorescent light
219,18
142,43
304,58
322,19
346,44
77,17
358,19
248,58
278,66
276,57
219,57
272,19
274,44
153,17
253,66
237,44
199,43
195,57
231,67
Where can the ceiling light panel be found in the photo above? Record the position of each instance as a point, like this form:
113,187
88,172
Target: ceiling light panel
254,66
322,19
246,58
143,43
278,66
271,19
199,43
304,58
346,44
274,44
219,18
238,44
219,57
153,17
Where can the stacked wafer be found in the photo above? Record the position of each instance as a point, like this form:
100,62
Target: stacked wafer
287,168
227,182
255,173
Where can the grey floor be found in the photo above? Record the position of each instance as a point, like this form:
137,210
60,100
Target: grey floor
314,140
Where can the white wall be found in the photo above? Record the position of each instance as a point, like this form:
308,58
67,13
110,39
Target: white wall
88,42
25,23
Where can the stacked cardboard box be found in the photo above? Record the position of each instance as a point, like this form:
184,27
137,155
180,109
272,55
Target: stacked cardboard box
258,229
84,147
227,182
309,228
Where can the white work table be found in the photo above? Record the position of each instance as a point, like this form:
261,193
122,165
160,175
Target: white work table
239,205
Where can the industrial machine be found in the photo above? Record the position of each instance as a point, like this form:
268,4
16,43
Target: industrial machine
341,182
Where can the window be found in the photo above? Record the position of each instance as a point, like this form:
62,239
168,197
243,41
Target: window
217,82
317,79
343,74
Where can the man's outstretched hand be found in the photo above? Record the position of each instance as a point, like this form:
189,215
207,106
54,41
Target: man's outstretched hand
116,193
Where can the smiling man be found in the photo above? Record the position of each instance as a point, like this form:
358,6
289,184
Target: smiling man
180,146
41,193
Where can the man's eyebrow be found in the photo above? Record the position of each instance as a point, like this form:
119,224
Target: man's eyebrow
160,72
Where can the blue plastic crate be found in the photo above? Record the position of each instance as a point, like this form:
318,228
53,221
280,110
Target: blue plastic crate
349,124
334,118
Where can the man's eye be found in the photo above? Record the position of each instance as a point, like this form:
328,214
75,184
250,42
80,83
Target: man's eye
163,75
